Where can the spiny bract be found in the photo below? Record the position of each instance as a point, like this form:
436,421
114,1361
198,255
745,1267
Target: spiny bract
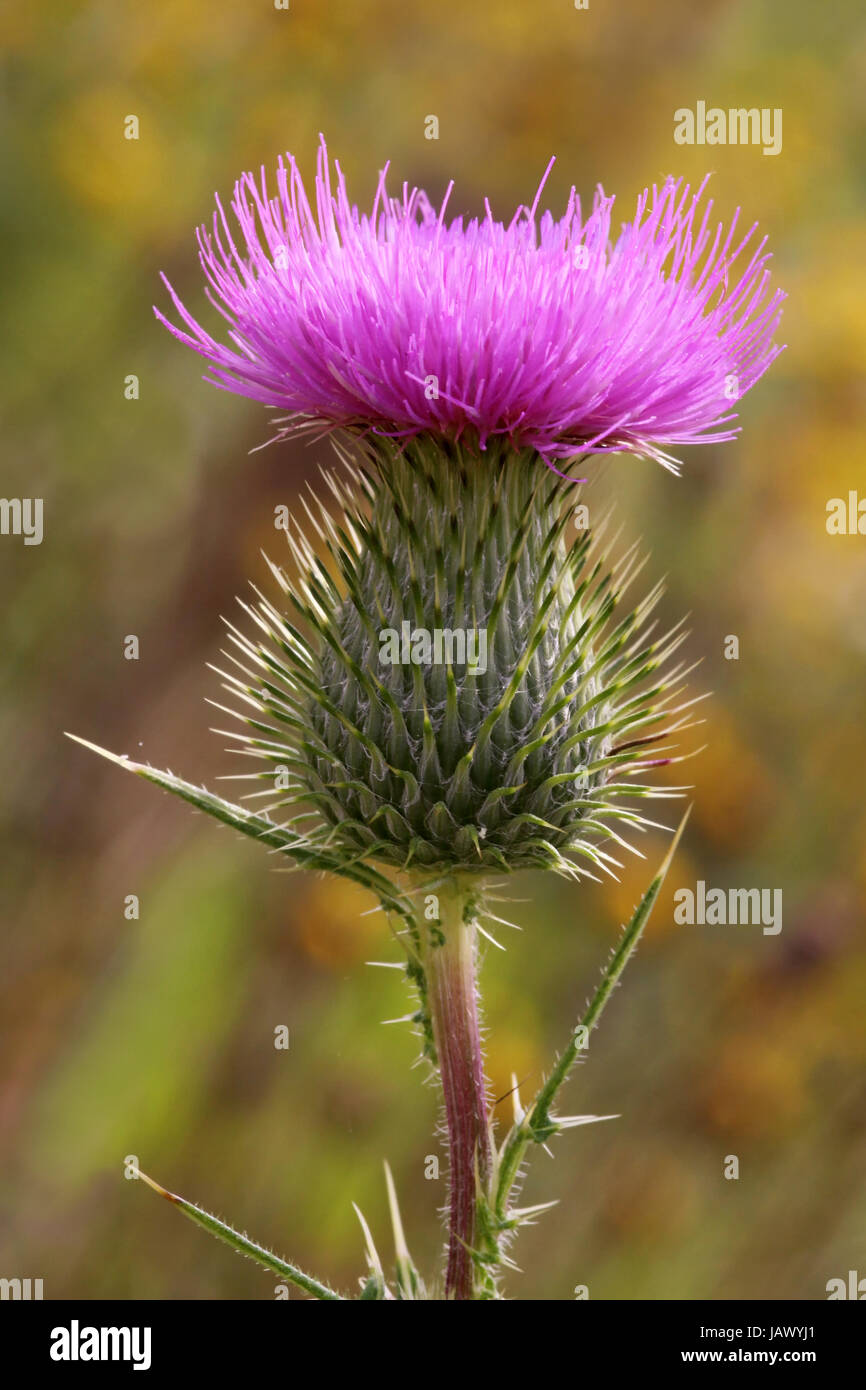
522,762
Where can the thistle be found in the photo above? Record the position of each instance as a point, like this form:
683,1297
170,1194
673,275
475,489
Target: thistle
448,683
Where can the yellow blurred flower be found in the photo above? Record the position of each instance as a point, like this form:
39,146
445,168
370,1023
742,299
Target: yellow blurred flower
106,169
335,925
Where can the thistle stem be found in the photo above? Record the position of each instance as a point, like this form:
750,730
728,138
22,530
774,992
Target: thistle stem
450,967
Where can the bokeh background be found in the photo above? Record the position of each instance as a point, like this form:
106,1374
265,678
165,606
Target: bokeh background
154,1037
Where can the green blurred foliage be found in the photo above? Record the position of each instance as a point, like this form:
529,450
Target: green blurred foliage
155,1037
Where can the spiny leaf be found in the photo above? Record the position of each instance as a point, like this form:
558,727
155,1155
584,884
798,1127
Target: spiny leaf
537,1124
244,1245
306,852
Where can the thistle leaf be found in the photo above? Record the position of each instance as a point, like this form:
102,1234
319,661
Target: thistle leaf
307,852
244,1245
538,1124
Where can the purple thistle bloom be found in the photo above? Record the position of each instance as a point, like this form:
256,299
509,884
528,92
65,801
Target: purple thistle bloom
547,332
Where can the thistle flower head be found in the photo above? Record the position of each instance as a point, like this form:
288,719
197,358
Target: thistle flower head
551,334
456,356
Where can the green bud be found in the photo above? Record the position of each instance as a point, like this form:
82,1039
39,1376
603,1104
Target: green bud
469,697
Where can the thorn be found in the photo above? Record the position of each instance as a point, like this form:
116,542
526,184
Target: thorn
508,1263
519,1111
371,1252
400,1247
122,759
674,843
406,1274
491,917
572,1121
157,1187
527,1213
491,939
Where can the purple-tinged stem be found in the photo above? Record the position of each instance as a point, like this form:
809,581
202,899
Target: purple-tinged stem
453,1002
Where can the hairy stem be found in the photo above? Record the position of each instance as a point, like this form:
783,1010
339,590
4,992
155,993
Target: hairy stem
450,966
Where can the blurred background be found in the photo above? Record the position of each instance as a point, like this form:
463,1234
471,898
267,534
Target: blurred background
154,1037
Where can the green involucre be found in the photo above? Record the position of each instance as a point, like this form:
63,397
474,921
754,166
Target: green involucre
521,763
